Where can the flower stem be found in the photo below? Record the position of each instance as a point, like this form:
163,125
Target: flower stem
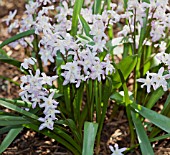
36,50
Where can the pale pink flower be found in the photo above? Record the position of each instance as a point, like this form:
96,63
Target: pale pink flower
47,79
46,55
45,2
13,25
27,62
148,82
10,17
48,123
31,7
160,80
97,71
99,46
116,150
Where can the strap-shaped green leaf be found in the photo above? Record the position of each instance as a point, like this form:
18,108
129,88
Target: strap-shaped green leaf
16,37
18,102
97,6
57,136
125,4
156,95
12,120
126,66
6,59
160,137
73,129
165,111
17,109
147,1
143,32
159,120
76,12
90,130
8,128
85,25
11,62
9,138
142,136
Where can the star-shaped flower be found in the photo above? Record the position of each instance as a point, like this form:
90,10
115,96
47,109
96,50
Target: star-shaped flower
116,151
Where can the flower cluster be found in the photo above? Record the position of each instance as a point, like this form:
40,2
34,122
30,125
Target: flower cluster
155,80
29,21
86,65
33,91
155,13
158,79
85,49
54,32
164,58
50,112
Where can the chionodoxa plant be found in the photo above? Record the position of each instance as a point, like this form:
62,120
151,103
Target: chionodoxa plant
78,40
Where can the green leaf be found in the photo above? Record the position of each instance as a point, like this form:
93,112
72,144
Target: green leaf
9,138
86,26
107,89
6,59
156,95
57,95
127,49
159,120
11,62
18,102
98,98
16,37
8,128
125,4
59,60
73,128
117,97
97,6
142,136
10,80
143,31
90,130
106,93
165,111
126,66
127,102
160,137
83,116
78,101
66,137
147,1
12,120
76,12
5,113
148,59
85,39
3,54
166,107
17,109
55,136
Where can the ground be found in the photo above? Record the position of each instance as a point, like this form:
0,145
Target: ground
28,142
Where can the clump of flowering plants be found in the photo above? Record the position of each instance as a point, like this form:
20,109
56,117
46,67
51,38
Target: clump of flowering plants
76,38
